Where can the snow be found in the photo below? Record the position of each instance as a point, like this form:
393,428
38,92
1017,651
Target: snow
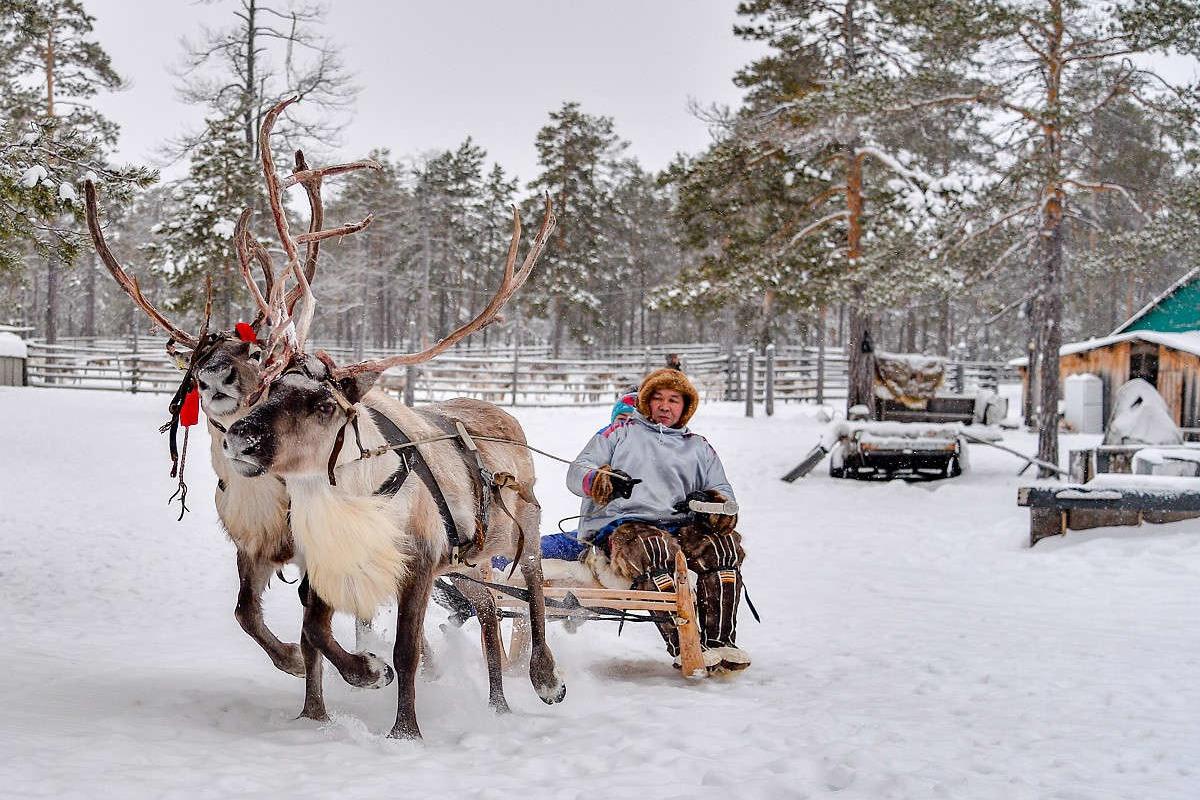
66,192
1140,416
912,645
33,175
1184,342
12,345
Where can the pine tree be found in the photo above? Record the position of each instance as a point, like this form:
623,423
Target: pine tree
50,68
1051,69
196,237
854,206
578,153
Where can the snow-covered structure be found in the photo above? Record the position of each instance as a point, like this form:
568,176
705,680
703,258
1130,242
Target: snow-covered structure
1168,361
12,358
1159,344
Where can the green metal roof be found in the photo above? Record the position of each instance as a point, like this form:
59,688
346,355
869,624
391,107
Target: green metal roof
1175,310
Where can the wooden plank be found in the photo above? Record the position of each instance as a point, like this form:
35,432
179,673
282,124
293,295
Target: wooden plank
690,657
666,604
1117,499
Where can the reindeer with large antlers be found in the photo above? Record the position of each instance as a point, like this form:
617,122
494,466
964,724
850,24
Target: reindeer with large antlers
224,368
424,490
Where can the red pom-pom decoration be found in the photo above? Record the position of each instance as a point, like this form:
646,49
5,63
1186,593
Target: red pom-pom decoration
189,415
245,332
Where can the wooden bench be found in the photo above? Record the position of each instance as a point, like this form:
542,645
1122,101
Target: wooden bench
679,605
1108,500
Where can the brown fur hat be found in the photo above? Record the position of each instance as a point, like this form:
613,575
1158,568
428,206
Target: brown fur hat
674,380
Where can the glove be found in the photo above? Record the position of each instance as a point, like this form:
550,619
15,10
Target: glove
682,506
609,483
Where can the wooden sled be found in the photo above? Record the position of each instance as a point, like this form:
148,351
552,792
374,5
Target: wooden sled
679,605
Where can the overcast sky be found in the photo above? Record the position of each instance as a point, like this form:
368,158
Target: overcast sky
434,72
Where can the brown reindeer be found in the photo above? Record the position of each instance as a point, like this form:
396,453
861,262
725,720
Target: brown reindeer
226,369
371,530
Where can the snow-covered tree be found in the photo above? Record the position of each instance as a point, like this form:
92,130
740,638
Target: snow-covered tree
577,153
51,68
271,51
195,237
852,208
1051,69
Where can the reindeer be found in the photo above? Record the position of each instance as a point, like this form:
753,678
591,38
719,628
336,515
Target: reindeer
371,532
225,367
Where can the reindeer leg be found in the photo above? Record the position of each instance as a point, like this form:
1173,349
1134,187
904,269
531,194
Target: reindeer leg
542,672
489,621
253,576
314,692
363,670
410,617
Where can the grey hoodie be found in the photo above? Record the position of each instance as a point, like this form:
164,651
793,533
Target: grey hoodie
672,462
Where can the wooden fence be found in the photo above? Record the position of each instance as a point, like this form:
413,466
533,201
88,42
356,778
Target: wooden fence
524,376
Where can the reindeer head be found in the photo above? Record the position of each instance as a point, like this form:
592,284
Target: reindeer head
227,376
299,426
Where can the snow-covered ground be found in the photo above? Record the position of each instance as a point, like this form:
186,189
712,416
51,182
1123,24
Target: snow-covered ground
912,646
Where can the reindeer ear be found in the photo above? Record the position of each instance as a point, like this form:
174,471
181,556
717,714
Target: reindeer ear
356,387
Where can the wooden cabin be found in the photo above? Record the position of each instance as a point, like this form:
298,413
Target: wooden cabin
1160,344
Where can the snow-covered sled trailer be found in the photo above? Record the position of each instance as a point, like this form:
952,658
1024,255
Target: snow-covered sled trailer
575,604
884,450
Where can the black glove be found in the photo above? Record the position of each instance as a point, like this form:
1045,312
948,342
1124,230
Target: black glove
682,506
622,484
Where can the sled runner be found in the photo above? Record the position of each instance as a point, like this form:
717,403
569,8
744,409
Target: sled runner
576,604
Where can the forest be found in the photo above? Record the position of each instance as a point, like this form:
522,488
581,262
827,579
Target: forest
974,179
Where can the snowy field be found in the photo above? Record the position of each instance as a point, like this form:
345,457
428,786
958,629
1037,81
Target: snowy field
912,646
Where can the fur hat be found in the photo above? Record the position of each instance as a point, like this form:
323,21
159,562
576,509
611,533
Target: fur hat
675,381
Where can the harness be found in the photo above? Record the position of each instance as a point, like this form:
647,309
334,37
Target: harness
411,462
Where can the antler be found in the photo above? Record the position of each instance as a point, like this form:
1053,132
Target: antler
126,282
289,332
511,282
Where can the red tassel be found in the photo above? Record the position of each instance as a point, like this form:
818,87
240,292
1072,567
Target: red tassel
245,332
189,415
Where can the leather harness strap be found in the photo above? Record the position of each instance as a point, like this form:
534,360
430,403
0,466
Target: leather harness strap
483,505
413,461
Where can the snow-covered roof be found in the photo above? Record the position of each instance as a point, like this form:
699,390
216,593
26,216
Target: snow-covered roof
1183,341
1146,309
12,346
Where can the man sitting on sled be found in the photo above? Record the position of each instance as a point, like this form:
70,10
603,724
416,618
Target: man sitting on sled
637,477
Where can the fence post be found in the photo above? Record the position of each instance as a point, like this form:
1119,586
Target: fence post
733,377
410,385
750,382
960,378
133,372
769,405
515,369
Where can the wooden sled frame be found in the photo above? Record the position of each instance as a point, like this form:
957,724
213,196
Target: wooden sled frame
679,604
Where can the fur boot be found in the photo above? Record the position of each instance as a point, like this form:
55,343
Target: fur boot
715,553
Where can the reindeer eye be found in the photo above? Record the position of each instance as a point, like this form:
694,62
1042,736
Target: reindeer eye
203,386
326,409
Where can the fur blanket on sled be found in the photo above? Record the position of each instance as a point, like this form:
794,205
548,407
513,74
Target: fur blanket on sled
908,378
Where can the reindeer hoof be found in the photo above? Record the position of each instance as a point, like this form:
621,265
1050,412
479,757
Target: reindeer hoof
412,733
554,693
293,663
376,673
315,714
500,706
